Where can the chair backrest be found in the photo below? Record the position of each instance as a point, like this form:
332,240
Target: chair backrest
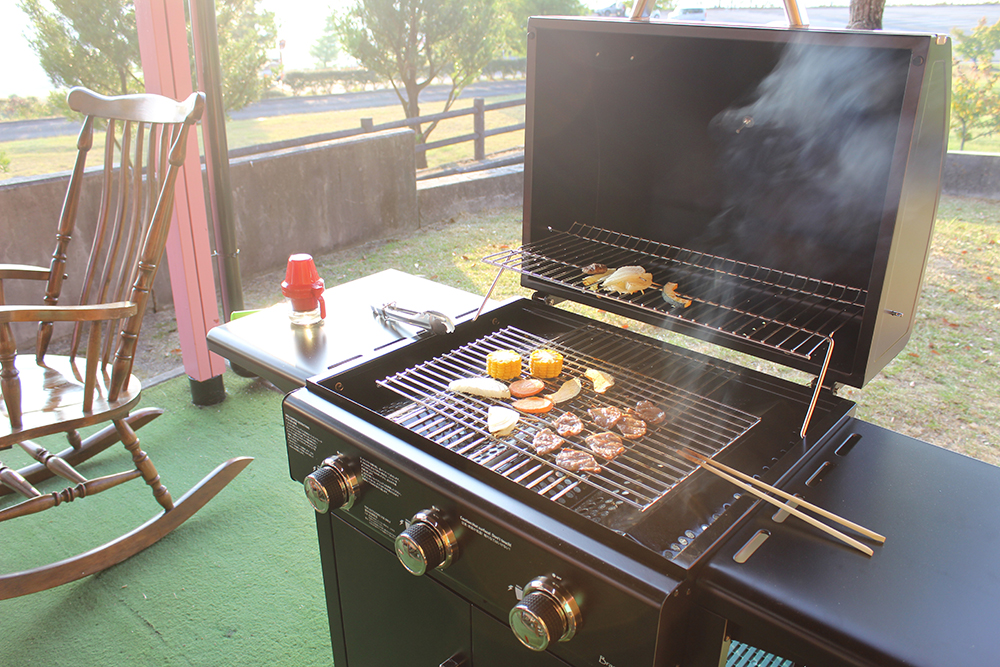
145,137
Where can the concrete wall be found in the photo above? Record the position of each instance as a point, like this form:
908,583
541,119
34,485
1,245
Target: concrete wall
972,175
323,197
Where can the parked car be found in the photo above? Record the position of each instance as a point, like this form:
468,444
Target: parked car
687,14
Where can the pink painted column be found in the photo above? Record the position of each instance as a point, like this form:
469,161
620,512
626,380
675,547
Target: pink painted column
166,69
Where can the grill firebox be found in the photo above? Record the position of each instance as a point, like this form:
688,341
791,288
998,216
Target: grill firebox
650,466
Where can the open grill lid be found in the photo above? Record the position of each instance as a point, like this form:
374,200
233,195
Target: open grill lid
785,180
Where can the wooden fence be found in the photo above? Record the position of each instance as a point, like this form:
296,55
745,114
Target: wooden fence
478,135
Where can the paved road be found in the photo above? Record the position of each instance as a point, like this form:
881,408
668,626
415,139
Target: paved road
53,127
937,19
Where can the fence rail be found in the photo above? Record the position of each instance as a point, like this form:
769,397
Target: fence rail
478,135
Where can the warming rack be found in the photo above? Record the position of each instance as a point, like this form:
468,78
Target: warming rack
786,312
647,470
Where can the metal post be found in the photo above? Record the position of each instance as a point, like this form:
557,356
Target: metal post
479,127
206,53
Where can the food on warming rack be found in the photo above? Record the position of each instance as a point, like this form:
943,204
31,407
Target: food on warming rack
648,412
627,280
605,417
605,445
526,387
533,405
574,460
570,389
671,296
591,281
602,381
503,364
546,441
501,421
484,387
632,428
595,269
545,363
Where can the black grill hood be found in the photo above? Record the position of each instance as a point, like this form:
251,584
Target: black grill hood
808,157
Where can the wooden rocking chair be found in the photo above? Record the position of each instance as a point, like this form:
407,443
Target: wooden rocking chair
144,148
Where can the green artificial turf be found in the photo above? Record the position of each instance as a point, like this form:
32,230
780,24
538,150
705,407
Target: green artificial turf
238,584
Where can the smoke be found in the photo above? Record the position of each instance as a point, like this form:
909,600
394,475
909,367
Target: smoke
805,161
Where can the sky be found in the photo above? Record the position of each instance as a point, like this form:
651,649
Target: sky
300,23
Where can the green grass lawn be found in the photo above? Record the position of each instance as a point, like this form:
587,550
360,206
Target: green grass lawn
36,157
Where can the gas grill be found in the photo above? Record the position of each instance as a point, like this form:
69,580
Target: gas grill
789,209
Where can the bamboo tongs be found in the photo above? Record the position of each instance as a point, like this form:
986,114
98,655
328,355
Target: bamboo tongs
758,488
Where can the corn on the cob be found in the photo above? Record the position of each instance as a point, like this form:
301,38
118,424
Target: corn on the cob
546,363
503,364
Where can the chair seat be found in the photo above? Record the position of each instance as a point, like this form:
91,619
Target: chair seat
52,399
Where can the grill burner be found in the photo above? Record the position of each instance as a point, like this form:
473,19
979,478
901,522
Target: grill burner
647,470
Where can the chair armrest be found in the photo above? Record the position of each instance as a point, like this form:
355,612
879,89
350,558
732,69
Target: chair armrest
23,272
104,311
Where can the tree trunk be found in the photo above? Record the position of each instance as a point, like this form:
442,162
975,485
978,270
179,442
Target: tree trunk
866,15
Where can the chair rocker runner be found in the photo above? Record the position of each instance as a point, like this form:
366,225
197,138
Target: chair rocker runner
43,395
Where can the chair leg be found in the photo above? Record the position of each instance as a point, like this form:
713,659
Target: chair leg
143,464
53,463
13,480
10,383
90,446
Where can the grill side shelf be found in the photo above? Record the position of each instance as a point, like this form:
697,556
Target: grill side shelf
636,479
787,313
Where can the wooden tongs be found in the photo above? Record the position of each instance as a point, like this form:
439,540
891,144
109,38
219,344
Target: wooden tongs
762,491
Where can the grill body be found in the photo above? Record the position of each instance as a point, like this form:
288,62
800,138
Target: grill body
793,207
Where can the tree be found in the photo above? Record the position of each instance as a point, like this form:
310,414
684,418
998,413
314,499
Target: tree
95,44
866,14
412,43
518,12
327,47
975,90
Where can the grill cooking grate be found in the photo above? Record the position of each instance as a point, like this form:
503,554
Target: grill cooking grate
650,466
789,313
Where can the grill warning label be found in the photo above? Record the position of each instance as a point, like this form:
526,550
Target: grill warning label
299,438
379,478
379,522
489,535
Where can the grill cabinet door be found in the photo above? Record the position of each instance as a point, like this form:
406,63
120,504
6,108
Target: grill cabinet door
389,616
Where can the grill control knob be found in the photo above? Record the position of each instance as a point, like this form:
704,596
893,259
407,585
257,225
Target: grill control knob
545,614
333,485
427,543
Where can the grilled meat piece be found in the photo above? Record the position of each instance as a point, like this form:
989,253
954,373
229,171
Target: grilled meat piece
632,428
647,412
595,269
546,441
568,425
576,461
606,445
605,417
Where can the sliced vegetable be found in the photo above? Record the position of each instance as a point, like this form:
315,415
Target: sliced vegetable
503,364
569,390
546,363
533,405
501,421
485,387
671,296
602,381
526,387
